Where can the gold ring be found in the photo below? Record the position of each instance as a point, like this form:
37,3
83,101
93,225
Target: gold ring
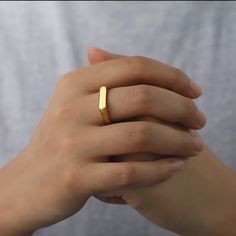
103,104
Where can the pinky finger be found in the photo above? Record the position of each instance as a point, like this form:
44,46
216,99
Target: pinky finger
115,177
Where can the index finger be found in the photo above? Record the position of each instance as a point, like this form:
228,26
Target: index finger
134,70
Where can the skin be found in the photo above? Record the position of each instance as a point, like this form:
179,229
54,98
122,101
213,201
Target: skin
199,200
68,159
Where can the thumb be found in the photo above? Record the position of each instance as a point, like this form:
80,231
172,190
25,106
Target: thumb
96,55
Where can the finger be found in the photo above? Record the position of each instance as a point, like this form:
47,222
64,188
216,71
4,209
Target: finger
116,199
146,100
131,71
144,136
111,178
96,55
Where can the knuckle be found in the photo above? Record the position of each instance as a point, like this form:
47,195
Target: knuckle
180,75
65,79
163,173
181,146
141,94
140,135
138,64
178,143
66,76
66,144
64,114
72,77
137,60
167,173
126,175
185,145
70,178
188,107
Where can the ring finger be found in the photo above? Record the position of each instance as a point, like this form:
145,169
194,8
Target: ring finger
146,100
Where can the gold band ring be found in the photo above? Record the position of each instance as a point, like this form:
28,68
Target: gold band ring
102,104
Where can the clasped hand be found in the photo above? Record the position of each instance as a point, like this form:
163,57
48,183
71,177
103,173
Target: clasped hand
73,155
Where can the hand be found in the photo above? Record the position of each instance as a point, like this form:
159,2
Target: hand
174,109
67,159
200,200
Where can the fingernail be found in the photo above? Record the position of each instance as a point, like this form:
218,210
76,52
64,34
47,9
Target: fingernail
93,48
202,119
198,141
176,164
196,89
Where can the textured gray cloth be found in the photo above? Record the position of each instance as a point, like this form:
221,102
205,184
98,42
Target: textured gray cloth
41,41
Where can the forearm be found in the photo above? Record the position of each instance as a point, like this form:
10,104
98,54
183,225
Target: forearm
200,200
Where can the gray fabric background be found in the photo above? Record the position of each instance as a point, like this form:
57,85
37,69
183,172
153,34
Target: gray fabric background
41,41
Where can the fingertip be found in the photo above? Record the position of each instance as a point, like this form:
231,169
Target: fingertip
197,141
94,49
171,166
202,120
91,49
195,89
175,164
96,55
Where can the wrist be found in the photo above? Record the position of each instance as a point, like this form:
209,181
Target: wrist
221,220
14,207
216,214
